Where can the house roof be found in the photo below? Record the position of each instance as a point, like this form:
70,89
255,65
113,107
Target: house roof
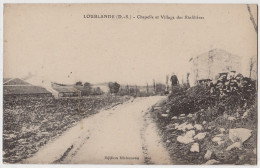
63,88
16,86
14,81
20,90
217,52
6,79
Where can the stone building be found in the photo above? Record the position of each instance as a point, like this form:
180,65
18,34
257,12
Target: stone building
209,64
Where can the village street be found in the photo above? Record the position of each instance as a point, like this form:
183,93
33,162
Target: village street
124,134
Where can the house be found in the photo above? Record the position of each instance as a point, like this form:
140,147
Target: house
16,86
207,65
103,86
43,82
66,90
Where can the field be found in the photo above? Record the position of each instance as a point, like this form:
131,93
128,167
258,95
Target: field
30,122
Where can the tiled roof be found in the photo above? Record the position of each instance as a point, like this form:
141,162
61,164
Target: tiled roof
19,90
14,81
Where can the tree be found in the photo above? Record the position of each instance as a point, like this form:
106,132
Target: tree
87,88
160,87
251,65
87,85
116,86
113,87
154,86
127,89
188,81
252,18
147,88
98,91
167,82
79,83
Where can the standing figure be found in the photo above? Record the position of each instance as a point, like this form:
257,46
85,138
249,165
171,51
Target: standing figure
174,80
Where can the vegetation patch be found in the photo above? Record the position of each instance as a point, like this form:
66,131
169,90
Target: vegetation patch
208,116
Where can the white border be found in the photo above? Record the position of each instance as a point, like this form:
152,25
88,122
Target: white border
109,1
137,1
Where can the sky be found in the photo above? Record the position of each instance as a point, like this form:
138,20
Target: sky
56,43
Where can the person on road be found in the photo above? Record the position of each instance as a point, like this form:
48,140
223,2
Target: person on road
174,80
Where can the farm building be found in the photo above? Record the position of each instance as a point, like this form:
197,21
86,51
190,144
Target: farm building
41,81
208,65
103,86
16,86
66,90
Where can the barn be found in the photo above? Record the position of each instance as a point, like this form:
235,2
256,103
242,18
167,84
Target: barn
16,86
66,90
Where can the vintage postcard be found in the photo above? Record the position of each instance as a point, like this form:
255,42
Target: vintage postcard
165,84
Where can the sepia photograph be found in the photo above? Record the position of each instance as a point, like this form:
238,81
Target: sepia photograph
130,84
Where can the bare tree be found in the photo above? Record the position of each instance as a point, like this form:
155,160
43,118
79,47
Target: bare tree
154,86
188,81
252,18
147,88
251,65
167,82
127,89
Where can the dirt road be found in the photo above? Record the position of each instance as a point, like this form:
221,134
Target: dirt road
124,134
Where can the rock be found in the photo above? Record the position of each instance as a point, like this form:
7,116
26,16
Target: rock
182,115
239,134
173,118
185,126
234,145
219,135
254,151
200,136
189,127
190,134
237,115
176,125
218,140
231,118
242,157
164,115
222,130
195,147
9,136
157,108
209,127
168,141
170,127
225,115
198,127
245,115
184,139
208,154
190,115
167,111
211,162
204,122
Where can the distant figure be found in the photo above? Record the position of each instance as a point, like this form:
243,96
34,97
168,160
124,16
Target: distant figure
174,80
